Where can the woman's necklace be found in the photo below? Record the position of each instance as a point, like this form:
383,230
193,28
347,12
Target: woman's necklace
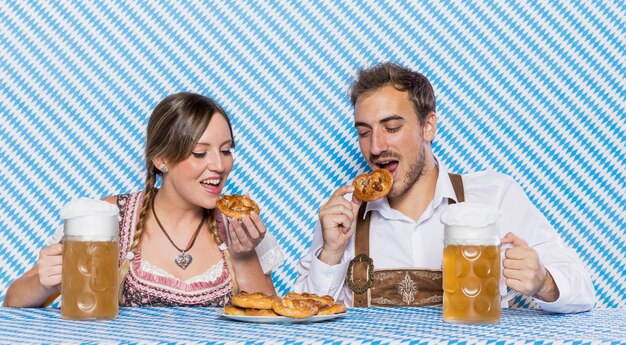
183,259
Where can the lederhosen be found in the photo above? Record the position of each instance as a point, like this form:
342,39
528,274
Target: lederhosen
392,287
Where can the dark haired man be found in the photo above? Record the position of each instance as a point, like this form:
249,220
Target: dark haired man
401,235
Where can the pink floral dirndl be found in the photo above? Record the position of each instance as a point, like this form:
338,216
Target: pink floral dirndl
145,287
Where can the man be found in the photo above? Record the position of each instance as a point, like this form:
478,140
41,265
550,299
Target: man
394,115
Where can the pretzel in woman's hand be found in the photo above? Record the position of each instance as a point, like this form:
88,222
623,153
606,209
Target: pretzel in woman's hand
373,186
237,206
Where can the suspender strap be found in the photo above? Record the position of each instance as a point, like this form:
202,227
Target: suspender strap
362,241
457,185
361,269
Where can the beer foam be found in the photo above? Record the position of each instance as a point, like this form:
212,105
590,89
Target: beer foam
83,207
90,217
468,223
467,214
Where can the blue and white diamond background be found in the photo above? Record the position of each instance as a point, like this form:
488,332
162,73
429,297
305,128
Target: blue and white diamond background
530,89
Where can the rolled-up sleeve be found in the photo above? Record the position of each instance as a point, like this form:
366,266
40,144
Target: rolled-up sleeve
520,216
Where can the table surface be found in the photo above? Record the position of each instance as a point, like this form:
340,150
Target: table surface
359,325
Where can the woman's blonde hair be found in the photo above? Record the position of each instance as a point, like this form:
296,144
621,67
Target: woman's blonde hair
174,128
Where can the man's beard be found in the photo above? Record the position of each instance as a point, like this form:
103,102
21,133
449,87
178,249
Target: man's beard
415,172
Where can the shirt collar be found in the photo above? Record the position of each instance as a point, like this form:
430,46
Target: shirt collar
382,206
443,191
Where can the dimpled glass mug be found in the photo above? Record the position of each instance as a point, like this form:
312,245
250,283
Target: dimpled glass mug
89,287
471,264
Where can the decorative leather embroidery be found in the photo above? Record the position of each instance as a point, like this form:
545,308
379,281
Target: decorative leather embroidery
382,301
381,276
407,288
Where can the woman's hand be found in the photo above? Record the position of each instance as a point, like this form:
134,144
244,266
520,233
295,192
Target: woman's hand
245,235
49,267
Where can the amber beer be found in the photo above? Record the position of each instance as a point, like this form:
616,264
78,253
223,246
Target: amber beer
89,280
89,286
471,264
471,278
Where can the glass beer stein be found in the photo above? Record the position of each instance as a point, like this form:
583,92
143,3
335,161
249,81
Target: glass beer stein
471,264
89,287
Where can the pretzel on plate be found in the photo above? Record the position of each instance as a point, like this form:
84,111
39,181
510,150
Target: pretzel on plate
335,308
296,308
255,300
233,310
294,305
321,301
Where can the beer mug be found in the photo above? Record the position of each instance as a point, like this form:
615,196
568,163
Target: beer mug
471,264
89,287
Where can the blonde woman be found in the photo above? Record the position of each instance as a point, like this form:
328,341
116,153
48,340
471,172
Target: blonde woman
176,249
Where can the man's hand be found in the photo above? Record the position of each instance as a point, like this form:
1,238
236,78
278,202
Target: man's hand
525,273
338,220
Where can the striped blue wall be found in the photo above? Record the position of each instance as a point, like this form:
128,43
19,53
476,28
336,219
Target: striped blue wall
531,89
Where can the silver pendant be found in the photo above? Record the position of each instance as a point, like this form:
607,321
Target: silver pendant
183,260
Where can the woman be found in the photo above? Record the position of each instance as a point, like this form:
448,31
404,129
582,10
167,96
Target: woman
176,249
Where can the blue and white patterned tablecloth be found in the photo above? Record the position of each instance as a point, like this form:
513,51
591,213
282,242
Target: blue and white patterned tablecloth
373,325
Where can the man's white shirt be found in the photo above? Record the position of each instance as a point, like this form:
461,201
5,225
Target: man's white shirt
396,241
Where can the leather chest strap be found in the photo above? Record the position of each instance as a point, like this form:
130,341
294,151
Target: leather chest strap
361,269
457,185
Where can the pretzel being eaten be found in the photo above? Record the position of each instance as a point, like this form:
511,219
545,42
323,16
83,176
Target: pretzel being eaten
255,300
373,186
237,206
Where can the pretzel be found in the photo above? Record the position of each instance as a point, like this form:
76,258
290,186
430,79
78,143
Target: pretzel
294,305
260,312
255,300
372,186
233,310
335,308
296,308
320,301
237,206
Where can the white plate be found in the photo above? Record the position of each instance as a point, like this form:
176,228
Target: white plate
282,319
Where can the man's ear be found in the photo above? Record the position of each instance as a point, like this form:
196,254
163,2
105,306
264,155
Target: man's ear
429,128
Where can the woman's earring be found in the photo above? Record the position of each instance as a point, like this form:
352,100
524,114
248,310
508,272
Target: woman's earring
163,169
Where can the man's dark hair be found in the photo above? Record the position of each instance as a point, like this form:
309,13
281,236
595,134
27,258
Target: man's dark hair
420,91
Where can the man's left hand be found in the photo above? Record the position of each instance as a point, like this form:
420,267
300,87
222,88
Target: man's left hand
525,273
